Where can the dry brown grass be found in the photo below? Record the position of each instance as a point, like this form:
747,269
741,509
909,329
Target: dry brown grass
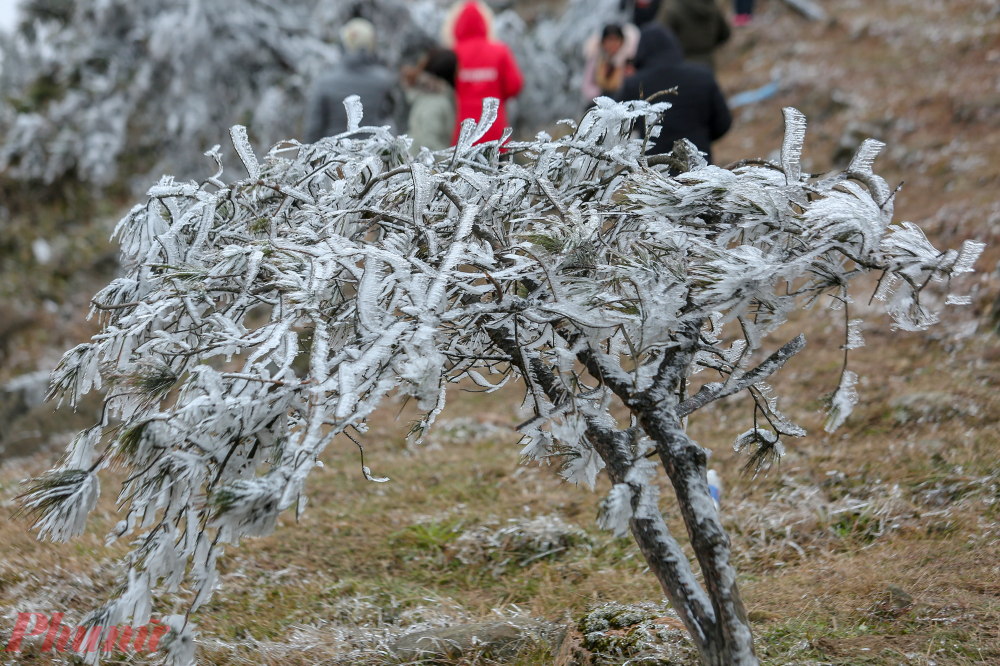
917,502
906,498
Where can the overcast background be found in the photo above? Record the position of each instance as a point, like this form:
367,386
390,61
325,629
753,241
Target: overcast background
8,14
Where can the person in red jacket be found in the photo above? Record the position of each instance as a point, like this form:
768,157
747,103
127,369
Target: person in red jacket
486,68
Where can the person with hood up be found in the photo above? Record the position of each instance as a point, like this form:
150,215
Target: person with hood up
700,26
430,92
607,57
486,67
744,12
358,74
698,113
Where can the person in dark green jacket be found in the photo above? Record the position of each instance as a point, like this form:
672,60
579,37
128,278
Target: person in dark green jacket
700,26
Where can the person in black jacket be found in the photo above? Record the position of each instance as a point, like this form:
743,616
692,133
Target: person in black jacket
699,112
357,74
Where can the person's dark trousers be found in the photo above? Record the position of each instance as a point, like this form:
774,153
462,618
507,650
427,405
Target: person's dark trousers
744,6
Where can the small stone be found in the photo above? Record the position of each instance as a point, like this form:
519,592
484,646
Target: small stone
31,388
496,639
42,250
612,631
759,616
899,597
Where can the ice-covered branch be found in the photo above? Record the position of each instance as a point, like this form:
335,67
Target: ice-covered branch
715,391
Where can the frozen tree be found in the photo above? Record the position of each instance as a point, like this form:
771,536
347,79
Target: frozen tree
105,89
582,267
92,85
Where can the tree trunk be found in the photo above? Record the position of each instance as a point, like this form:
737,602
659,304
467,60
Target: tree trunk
686,465
659,548
716,620
728,642
725,637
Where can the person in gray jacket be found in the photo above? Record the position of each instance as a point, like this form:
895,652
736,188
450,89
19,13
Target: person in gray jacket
358,74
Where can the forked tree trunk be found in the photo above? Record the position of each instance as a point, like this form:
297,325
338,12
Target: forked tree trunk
730,641
662,552
716,618
717,621
719,626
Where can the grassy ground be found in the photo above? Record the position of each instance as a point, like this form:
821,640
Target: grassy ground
879,545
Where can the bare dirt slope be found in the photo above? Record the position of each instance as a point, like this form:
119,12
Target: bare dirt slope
879,545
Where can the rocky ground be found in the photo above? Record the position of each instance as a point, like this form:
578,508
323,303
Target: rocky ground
878,545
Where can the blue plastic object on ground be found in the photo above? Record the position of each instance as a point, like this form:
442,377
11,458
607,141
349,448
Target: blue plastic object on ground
715,486
766,91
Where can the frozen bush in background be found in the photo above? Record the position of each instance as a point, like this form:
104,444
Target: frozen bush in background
583,267
152,83
108,89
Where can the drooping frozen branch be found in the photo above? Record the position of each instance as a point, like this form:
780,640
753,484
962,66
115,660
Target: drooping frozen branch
715,391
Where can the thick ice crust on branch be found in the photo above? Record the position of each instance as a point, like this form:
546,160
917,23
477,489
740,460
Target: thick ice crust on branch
338,273
713,391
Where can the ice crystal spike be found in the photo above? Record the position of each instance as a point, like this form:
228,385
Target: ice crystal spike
616,510
421,190
854,337
465,135
865,156
471,131
791,146
376,479
967,257
216,155
355,112
243,148
843,401
491,107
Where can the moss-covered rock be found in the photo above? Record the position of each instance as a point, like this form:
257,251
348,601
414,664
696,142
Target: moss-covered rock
642,634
